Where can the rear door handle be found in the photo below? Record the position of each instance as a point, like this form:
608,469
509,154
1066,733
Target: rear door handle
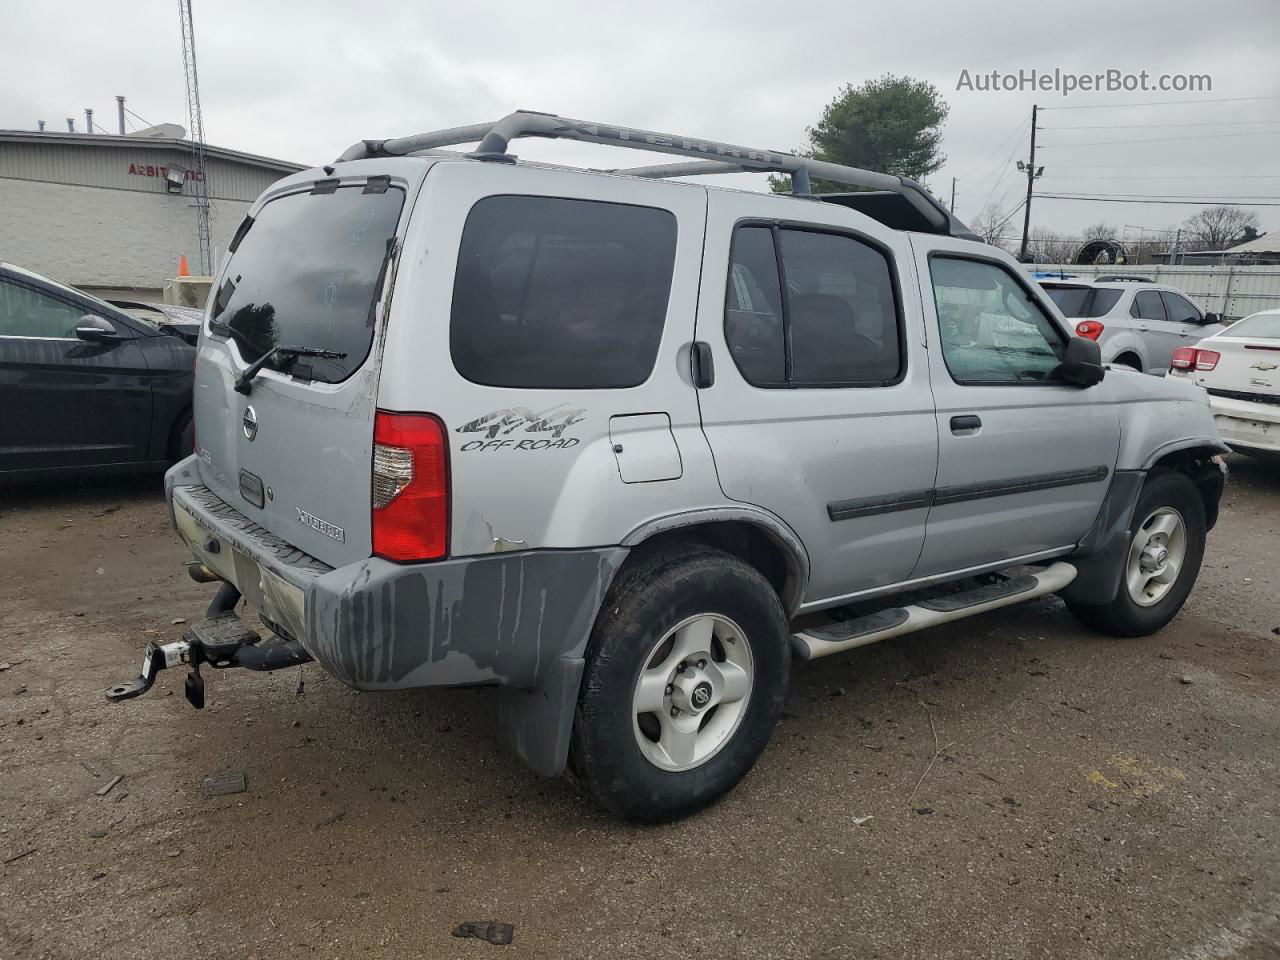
704,368
966,424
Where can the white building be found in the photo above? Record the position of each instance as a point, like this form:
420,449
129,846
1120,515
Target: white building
114,213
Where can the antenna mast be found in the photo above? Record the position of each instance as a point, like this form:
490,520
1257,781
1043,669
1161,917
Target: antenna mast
195,122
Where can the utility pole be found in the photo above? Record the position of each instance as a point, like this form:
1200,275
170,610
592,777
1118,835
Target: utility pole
1032,173
953,195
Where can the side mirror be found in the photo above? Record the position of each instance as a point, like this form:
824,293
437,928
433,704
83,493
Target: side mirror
1211,318
95,329
1082,362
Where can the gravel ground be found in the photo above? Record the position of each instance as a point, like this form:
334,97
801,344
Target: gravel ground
1092,797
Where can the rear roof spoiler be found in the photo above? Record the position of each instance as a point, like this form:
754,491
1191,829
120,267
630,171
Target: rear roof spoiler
899,202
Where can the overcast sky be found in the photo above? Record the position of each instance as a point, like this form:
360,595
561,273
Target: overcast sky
301,81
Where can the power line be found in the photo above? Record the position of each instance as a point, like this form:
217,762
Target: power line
1118,176
1129,126
1210,136
1155,103
1112,198
1003,143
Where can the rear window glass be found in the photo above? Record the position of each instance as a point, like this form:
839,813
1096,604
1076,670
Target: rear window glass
307,275
1265,326
560,293
1083,302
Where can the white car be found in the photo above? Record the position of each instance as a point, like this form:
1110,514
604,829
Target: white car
1137,323
1240,370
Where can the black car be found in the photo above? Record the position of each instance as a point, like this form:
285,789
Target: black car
89,386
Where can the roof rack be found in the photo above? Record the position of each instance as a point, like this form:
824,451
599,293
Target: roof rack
1111,278
896,201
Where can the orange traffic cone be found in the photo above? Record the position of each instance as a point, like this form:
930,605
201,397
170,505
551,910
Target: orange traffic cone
183,269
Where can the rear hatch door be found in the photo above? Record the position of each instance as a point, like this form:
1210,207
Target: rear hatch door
312,269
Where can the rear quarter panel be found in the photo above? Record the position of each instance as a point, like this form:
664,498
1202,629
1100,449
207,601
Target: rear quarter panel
535,468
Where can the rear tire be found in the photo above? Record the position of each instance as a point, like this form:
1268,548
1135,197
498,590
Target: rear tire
1168,530
702,638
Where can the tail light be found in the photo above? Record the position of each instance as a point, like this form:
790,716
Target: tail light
410,496
1207,359
1193,358
1090,329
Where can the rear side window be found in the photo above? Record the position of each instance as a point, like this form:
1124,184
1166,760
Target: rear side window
1082,303
557,293
827,317
1147,306
308,274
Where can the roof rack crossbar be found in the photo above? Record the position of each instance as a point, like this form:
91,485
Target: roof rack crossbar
713,157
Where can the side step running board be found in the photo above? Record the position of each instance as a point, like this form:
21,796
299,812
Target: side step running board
822,641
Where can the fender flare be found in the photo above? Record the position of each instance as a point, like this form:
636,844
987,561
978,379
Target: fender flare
770,524
1186,443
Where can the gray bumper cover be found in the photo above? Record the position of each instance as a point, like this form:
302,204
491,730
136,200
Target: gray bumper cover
517,620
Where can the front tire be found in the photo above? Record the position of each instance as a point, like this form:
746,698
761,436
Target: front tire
686,674
1166,546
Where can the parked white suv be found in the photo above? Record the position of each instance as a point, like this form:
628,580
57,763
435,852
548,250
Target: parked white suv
1138,323
622,446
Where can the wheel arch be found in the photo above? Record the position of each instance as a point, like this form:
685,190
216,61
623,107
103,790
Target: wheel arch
755,536
1125,343
1195,459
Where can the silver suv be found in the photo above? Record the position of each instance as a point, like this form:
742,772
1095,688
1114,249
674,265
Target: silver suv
1137,322
623,446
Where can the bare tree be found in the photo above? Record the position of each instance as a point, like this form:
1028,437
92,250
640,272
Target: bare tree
989,225
1217,228
1099,231
1047,246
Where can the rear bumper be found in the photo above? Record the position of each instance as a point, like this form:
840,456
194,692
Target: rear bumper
1246,425
506,618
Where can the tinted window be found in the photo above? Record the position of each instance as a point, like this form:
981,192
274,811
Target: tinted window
753,308
992,330
561,293
1081,303
308,273
26,313
835,323
1147,306
1180,309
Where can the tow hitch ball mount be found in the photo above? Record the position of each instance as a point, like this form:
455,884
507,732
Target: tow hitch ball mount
222,642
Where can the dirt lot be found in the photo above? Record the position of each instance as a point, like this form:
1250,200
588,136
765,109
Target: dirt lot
1094,798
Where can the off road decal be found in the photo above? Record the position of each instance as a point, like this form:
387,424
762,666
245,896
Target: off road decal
498,425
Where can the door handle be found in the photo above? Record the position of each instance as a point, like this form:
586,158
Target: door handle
966,424
704,368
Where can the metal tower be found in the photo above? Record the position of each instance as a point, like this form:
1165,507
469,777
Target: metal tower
195,123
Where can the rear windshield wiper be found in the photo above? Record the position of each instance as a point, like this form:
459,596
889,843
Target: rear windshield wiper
287,356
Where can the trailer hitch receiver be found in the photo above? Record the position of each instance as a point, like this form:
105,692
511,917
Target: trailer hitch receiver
221,642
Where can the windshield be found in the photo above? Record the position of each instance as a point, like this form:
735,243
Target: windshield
307,274
1082,302
1265,326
